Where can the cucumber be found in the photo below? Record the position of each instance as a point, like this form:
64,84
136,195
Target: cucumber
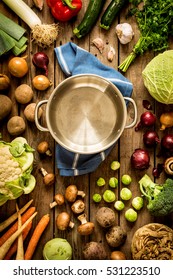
90,17
111,12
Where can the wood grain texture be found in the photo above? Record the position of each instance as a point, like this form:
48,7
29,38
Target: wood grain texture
129,141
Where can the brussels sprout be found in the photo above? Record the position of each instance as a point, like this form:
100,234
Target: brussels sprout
113,182
119,205
97,197
131,215
101,182
115,165
125,194
137,202
126,179
57,249
109,196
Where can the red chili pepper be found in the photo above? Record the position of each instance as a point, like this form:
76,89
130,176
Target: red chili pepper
64,10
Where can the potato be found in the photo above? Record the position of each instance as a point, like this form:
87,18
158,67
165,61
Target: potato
5,106
16,125
29,112
116,236
94,251
105,216
23,94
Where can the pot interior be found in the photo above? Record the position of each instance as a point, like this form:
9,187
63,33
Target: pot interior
86,114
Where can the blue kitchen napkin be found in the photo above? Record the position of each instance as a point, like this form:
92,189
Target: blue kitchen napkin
74,60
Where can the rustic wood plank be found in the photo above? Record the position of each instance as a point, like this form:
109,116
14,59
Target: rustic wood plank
122,151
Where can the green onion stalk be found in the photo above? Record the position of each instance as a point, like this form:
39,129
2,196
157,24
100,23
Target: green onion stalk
131,57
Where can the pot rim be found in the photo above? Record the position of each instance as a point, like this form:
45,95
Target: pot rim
75,148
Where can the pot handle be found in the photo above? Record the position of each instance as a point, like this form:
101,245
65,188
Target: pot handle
38,125
135,112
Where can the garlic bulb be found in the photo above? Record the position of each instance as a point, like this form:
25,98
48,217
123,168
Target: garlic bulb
124,32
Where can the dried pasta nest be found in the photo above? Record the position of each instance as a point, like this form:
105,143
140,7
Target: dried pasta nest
153,241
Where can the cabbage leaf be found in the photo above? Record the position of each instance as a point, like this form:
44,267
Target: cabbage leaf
158,77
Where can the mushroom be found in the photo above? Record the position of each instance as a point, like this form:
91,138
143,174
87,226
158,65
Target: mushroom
94,251
168,166
63,221
49,178
85,228
43,148
29,112
78,206
72,192
115,236
16,125
58,200
105,216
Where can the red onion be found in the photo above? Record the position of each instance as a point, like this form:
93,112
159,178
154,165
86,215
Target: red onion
167,143
147,119
151,138
140,159
41,60
147,105
158,170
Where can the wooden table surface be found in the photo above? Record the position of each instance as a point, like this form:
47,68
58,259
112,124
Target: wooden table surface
128,142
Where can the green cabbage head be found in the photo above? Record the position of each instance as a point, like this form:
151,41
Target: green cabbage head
158,77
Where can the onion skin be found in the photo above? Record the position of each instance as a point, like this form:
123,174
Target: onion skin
140,159
41,60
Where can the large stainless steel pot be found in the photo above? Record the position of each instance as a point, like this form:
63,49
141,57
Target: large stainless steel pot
86,114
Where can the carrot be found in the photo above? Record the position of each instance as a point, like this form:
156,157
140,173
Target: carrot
6,246
13,217
20,249
14,227
13,248
39,229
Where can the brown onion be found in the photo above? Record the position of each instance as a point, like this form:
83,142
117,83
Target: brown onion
117,255
41,82
18,67
4,82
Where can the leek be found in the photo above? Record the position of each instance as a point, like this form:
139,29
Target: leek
16,51
19,44
6,43
43,34
11,27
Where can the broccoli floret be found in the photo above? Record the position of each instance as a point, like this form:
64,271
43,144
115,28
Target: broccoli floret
159,196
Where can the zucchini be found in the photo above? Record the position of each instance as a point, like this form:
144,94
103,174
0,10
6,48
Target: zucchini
90,17
111,12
